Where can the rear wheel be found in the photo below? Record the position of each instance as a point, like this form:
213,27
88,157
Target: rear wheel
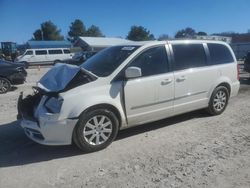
96,130
218,101
5,85
56,61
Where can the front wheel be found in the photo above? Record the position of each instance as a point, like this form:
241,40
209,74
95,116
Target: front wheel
95,130
5,85
218,101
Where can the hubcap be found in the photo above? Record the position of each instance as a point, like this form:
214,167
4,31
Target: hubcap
220,101
3,86
97,130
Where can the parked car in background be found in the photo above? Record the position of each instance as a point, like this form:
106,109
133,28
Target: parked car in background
127,85
11,74
247,63
78,58
44,55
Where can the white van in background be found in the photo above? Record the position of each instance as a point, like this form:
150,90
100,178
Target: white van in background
44,55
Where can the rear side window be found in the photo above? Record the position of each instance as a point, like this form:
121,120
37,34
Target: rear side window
55,52
152,61
41,52
189,56
219,54
66,51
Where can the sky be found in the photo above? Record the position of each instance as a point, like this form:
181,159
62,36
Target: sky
20,18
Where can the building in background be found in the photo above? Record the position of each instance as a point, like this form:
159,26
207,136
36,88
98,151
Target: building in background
48,44
98,43
214,37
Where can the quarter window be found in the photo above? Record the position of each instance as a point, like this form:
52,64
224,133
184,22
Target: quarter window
219,54
152,62
189,56
41,52
55,52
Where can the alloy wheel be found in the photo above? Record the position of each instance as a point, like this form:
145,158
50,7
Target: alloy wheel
220,100
97,130
4,85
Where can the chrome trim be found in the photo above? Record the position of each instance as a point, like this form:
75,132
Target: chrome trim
160,102
189,94
151,104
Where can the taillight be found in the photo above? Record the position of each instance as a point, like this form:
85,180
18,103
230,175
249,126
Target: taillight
238,71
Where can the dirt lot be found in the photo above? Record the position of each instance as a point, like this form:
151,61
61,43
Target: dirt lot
191,150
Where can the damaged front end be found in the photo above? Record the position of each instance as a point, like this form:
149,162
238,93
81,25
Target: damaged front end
39,113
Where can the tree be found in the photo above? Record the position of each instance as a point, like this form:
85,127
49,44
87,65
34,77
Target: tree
185,33
48,31
139,33
201,33
37,35
76,29
163,37
94,31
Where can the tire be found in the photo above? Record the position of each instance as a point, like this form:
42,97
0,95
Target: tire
95,130
5,85
56,61
25,63
218,101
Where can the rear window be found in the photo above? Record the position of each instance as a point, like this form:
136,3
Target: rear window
66,51
189,56
55,52
219,54
41,52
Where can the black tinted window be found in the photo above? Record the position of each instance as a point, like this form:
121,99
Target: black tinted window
55,51
153,61
189,56
66,51
219,54
41,52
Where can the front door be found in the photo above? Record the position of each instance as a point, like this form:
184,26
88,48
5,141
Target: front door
150,97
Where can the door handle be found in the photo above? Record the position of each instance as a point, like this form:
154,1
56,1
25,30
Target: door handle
181,79
166,81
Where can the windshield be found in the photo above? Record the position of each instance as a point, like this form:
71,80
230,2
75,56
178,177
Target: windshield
106,61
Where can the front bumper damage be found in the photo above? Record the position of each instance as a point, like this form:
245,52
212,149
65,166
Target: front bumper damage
41,126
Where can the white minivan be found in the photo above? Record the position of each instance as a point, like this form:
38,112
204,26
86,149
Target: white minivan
128,85
45,55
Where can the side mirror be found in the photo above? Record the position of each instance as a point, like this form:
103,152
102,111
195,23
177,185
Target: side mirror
133,72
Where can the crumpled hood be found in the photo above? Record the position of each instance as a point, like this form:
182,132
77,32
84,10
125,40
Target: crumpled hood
59,76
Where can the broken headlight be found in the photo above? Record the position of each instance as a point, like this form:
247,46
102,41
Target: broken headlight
53,105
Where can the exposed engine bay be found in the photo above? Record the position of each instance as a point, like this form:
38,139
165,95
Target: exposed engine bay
58,79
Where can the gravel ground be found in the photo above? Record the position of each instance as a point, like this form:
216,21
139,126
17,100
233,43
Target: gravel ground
190,150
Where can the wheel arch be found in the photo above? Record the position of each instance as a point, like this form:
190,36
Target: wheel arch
227,85
106,106
5,77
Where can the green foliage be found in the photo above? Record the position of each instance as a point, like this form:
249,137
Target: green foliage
94,31
185,33
139,33
48,31
201,33
76,29
163,37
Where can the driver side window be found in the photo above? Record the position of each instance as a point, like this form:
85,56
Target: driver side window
152,61
29,52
